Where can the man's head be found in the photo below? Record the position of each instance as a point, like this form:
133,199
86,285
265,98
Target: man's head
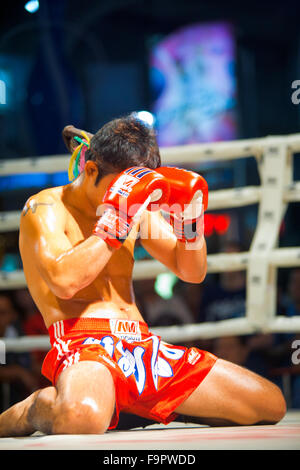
120,144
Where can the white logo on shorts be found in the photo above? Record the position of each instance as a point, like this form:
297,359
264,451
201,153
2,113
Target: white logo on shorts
126,329
193,356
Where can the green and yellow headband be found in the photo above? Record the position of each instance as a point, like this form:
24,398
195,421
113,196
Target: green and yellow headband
77,161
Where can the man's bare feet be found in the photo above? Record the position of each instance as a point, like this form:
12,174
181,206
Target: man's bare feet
14,422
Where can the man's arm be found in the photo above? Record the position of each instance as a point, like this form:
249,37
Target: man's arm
159,241
65,268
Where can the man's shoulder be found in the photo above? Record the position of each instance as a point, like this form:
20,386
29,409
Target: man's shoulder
46,197
52,194
42,210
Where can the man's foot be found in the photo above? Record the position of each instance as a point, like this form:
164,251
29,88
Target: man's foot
13,422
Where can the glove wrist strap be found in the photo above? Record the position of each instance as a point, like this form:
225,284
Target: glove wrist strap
112,228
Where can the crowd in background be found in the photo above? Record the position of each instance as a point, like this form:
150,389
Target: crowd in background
219,297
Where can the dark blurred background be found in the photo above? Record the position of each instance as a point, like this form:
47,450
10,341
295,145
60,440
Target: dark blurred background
205,71
86,63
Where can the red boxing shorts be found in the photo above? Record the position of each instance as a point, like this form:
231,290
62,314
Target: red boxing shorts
152,378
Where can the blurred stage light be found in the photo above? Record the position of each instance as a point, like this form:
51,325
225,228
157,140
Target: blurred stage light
218,223
146,117
32,6
222,223
193,84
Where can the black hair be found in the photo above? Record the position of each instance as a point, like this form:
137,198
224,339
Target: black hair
122,143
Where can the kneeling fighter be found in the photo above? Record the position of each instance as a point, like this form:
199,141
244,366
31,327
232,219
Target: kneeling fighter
76,243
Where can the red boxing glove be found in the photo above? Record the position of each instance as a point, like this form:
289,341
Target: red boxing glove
188,199
128,195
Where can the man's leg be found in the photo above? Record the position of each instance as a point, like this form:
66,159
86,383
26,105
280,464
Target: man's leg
230,395
81,403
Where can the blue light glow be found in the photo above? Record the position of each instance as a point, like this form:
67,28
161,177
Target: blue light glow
2,92
32,6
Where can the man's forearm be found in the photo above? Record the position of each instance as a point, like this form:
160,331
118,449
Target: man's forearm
191,260
79,266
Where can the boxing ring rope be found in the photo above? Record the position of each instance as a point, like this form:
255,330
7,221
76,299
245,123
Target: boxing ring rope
274,157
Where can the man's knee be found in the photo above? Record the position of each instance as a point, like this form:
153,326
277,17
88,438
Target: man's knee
266,404
83,417
276,409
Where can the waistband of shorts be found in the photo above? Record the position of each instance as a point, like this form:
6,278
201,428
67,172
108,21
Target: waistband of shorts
88,324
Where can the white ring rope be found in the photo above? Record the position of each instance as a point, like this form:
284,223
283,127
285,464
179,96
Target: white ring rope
274,157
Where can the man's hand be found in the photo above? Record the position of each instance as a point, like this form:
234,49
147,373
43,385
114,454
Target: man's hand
129,194
186,204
